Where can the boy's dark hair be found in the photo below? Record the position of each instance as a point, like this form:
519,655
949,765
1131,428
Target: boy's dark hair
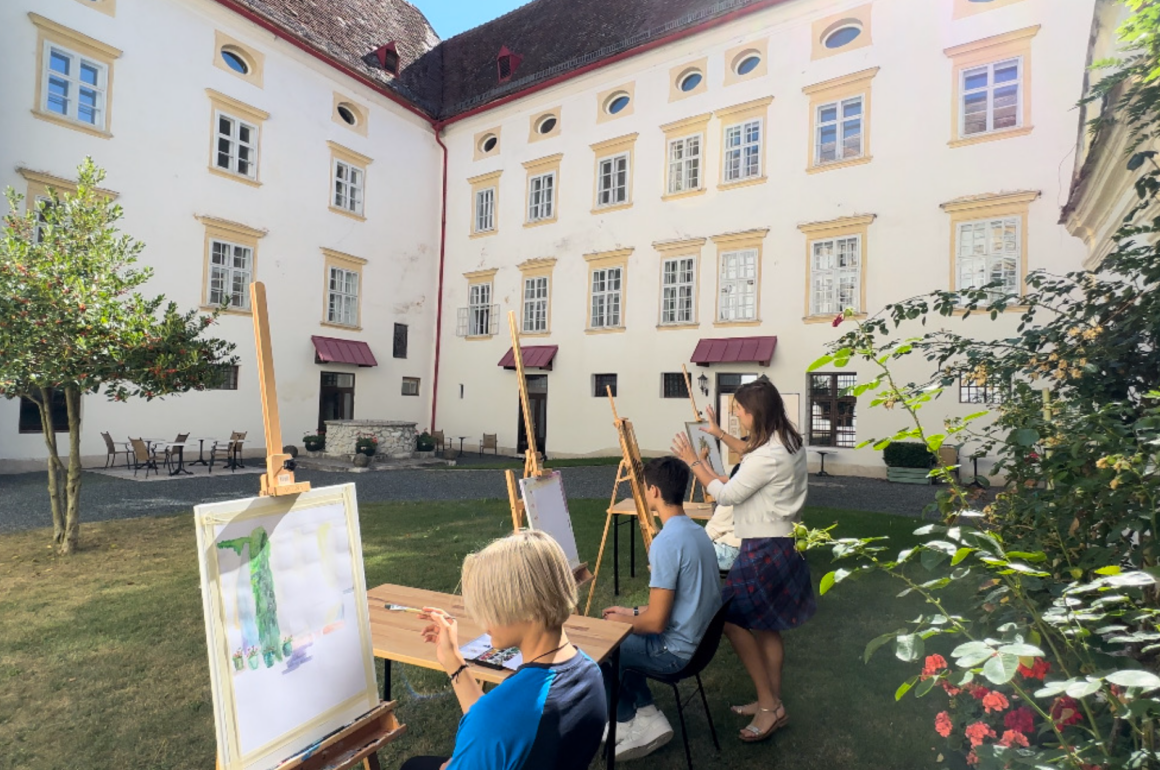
670,476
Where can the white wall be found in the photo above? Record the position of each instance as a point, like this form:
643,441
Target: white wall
157,160
912,172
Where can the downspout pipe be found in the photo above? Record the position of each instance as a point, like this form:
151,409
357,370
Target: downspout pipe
438,128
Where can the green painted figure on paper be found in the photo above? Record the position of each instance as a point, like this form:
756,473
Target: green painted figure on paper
262,584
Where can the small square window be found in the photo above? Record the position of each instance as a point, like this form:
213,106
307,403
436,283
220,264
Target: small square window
601,383
229,378
410,386
30,414
673,385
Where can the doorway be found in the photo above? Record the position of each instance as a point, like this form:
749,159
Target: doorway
727,385
538,405
335,398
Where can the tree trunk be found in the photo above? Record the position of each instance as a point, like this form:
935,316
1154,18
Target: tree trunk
55,468
72,521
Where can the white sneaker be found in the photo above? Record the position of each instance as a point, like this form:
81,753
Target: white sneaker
649,731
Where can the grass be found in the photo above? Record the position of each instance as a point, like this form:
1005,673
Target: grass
103,662
575,462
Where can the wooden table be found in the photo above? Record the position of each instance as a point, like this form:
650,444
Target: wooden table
627,508
396,636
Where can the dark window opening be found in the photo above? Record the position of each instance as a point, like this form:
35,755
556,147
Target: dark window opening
972,391
832,420
506,64
400,346
674,385
229,378
30,414
600,384
335,398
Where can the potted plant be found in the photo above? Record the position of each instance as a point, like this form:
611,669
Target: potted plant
252,658
424,445
366,445
268,656
239,660
314,442
287,646
908,462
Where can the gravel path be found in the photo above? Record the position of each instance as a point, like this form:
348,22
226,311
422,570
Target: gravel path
24,497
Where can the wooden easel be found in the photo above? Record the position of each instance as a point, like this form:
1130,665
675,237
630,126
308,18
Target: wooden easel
631,469
359,742
696,417
532,465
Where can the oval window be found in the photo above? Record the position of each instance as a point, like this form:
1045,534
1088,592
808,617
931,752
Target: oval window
547,124
843,36
347,114
235,62
748,64
689,81
488,143
618,103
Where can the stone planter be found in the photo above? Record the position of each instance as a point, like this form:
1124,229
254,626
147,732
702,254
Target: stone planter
909,475
396,439
424,455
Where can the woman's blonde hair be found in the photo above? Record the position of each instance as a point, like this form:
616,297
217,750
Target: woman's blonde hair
522,577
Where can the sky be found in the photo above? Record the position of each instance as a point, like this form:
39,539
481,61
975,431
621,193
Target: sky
450,17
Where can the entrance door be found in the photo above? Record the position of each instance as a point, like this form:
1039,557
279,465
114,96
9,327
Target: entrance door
727,385
538,405
335,398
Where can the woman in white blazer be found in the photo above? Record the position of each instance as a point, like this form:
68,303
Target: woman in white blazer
769,584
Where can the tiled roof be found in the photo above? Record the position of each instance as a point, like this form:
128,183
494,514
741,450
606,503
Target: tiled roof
350,31
332,350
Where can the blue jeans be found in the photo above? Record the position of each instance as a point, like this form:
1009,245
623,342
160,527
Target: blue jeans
643,653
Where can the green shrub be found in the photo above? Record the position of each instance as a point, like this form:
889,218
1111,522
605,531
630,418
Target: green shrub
908,454
424,442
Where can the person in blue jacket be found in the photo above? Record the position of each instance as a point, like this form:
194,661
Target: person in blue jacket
551,713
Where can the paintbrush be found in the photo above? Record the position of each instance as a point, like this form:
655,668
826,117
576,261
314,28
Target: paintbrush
405,608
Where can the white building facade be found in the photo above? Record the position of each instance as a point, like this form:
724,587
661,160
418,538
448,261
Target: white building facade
709,189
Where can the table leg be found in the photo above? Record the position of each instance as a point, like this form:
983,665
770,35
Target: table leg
632,551
613,698
386,679
822,470
200,453
616,556
180,469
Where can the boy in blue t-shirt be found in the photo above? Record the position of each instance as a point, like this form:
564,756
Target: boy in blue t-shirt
684,594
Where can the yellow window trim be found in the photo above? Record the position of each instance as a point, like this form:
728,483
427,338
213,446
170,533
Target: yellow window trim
615,145
757,108
836,89
361,114
539,167
835,228
679,129
534,120
735,56
678,248
685,126
621,145
231,232
679,71
107,7
727,243
603,260
675,249
484,180
481,276
538,267
478,183
985,51
228,104
348,155
39,183
254,59
343,261
988,206
822,28
541,164
964,8
48,31
604,97
477,140
733,116
235,107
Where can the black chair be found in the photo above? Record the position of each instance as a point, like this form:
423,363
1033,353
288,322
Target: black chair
692,670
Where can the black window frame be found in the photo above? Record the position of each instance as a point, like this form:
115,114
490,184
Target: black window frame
673,385
838,381
599,381
418,385
229,379
399,341
29,419
986,394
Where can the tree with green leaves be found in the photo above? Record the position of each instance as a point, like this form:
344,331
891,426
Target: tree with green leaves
73,321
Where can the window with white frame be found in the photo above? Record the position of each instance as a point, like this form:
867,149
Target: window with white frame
992,97
606,296
541,197
75,86
839,130
742,151
989,250
479,310
349,182
485,210
738,301
231,270
685,164
836,275
237,146
678,278
342,298
536,304
612,181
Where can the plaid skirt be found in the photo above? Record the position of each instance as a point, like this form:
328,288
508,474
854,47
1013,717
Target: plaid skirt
770,586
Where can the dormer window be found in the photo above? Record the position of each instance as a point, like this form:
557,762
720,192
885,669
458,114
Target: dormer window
507,63
388,56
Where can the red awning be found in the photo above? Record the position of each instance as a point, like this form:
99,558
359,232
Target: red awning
331,350
735,350
535,357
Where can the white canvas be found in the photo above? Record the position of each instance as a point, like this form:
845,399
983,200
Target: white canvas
548,511
287,622
699,438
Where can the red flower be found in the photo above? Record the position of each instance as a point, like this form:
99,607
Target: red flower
950,688
977,731
934,664
978,692
942,724
972,758
995,701
838,320
1065,711
1038,670
1021,720
1013,738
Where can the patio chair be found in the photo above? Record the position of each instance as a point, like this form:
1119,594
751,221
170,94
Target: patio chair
221,451
440,442
490,441
170,451
237,438
948,454
144,456
113,451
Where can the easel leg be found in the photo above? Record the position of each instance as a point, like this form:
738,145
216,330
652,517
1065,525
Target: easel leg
616,559
599,558
631,552
372,762
386,679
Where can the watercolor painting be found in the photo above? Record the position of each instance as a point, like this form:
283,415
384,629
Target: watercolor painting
703,442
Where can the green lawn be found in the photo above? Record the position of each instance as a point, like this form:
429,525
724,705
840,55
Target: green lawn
103,663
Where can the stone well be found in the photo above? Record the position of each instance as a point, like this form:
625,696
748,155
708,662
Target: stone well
396,439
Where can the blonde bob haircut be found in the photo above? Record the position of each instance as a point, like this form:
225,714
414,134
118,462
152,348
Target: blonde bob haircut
524,577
